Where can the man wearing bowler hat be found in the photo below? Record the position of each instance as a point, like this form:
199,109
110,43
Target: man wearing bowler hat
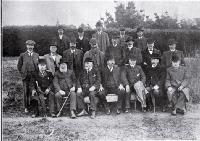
102,37
27,66
52,58
61,40
82,42
167,55
141,41
122,37
74,57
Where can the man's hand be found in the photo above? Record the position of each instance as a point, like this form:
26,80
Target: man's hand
170,89
101,88
145,63
79,90
127,88
62,92
33,92
47,91
156,87
121,87
180,88
91,89
72,89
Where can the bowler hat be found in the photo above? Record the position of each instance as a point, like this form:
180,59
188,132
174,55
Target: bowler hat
62,60
93,41
122,29
99,23
42,61
53,44
150,41
88,59
172,41
80,30
155,56
175,58
132,57
139,29
30,42
60,27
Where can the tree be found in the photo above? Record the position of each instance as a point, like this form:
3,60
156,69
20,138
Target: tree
109,21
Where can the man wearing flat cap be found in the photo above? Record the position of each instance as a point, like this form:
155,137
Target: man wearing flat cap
27,66
116,51
102,37
167,55
141,41
65,83
96,55
61,40
53,58
82,42
148,53
74,57
131,50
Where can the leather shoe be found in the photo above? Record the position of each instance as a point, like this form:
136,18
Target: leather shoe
73,115
93,114
82,113
118,111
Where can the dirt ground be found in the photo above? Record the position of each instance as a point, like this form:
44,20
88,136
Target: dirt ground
134,125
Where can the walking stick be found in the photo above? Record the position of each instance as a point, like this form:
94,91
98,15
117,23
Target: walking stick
59,113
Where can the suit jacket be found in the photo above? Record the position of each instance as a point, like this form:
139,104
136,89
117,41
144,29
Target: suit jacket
102,40
90,79
133,52
116,75
132,75
62,44
146,56
141,43
117,52
51,66
64,81
78,56
23,61
167,56
122,41
98,58
83,44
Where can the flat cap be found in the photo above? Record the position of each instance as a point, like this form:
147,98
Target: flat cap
139,29
172,41
62,60
42,61
88,59
80,30
30,42
99,23
72,40
150,41
155,56
132,57
122,29
93,41
129,39
175,58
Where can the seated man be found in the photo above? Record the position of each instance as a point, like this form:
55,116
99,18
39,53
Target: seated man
65,83
155,81
112,83
134,81
42,86
90,82
177,85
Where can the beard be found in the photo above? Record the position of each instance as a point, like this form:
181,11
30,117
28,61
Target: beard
63,69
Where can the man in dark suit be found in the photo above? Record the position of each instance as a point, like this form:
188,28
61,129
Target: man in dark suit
101,37
61,40
90,80
123,37
27,66
167,55
141,41
74,57
65,83
131,50
148,53
116,51
112,82
82,42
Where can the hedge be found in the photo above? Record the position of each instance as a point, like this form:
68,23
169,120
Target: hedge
14,38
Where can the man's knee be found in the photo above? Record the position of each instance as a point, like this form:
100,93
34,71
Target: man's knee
73,95
58,95
92,94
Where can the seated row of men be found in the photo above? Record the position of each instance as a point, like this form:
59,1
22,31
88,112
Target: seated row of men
97,81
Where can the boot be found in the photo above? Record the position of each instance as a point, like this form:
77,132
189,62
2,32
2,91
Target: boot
73,114
93,114
82,113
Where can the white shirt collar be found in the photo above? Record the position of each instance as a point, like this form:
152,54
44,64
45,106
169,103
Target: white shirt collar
60,37
111,69
72,51
99,32
140,37
81,38
30,53
173,50
132,66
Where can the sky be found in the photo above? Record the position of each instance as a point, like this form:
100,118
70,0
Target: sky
88,12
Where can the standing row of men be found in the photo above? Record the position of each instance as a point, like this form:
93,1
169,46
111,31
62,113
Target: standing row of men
95,68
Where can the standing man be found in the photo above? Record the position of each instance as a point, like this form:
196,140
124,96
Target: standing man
148,53
61,40
27,66
167,55
74,57
53,59
123,37
131,50
82,42
141,41
115,51
102,37
90,80
96,55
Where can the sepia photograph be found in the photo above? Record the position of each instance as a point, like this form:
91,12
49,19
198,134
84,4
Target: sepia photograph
100,70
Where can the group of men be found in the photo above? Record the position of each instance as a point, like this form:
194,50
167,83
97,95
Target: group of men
79,68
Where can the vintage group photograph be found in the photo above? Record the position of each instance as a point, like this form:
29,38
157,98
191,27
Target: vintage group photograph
100,70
